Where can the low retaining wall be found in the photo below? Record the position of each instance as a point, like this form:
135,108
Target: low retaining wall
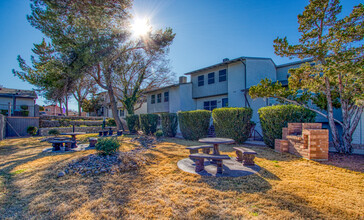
64,123
53,117
96,129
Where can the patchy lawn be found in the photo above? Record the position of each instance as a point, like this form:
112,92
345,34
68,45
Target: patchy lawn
286,187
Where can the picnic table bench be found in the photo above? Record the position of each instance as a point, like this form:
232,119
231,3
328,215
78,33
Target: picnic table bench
205,149
200,159
58,144
245,154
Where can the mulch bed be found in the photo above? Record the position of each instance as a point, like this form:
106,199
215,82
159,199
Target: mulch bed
352,162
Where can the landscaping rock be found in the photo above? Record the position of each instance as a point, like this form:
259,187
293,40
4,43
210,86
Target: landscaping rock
95,164
60,174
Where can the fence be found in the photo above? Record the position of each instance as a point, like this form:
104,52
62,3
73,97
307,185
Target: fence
17,126
2,127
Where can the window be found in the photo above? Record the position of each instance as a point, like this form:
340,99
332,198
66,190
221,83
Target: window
153,99
159,98
166,96
225,102
222,75
121,113
210,105
201,80
211,78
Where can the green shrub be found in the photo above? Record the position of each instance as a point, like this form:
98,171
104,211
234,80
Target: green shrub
232,123
24,107
54,132
31,130
169,124
110,122
159,133
274,118
148,123
24,113
194,124
107,146
133,123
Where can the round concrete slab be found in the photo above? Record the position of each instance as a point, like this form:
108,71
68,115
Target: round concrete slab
80,147
231,168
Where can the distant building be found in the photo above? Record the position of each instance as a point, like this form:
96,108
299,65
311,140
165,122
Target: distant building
105,110
52,110
19,102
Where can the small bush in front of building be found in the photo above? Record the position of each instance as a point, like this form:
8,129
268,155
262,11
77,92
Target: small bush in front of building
148,123
31,130
133,123
169,124
233,123
110,122
107,146
194,124
54,132
159,133
274,118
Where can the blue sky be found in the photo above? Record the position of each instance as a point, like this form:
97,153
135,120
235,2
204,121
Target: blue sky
206,31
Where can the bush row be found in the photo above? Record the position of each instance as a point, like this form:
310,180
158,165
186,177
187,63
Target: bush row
274,118
234,123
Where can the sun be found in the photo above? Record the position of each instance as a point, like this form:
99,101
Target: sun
140,27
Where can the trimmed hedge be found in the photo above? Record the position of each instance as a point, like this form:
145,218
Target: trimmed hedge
274,118
232,123
148,123
194,124
169,124
133,123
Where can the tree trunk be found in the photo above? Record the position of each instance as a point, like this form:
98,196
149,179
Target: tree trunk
79,108
114,110
66,103
330,117
60,107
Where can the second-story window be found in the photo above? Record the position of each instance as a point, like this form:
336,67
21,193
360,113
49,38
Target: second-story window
211,78
166,96
201,80
159,98
222,75
153,99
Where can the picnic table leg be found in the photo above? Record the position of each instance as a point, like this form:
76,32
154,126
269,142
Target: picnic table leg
248,159
199,165
239,156
55,146
216,149
74,145
219,166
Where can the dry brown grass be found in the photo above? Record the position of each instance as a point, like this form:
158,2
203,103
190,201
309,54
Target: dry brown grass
287,187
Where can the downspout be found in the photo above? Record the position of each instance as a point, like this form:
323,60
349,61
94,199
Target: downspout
242,61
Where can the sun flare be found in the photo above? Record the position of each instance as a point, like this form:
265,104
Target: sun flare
140,27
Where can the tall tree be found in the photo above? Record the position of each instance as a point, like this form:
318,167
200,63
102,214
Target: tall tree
336,78
82,88
137,72
93,34
48,73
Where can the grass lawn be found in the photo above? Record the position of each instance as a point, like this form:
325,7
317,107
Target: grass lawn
286,187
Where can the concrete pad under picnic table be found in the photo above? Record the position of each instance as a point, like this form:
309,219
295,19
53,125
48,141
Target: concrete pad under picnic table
231,168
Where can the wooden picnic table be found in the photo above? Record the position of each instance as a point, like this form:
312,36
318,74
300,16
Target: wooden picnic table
216,142
73,135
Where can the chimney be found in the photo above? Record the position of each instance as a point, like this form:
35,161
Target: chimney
225,60
182,79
